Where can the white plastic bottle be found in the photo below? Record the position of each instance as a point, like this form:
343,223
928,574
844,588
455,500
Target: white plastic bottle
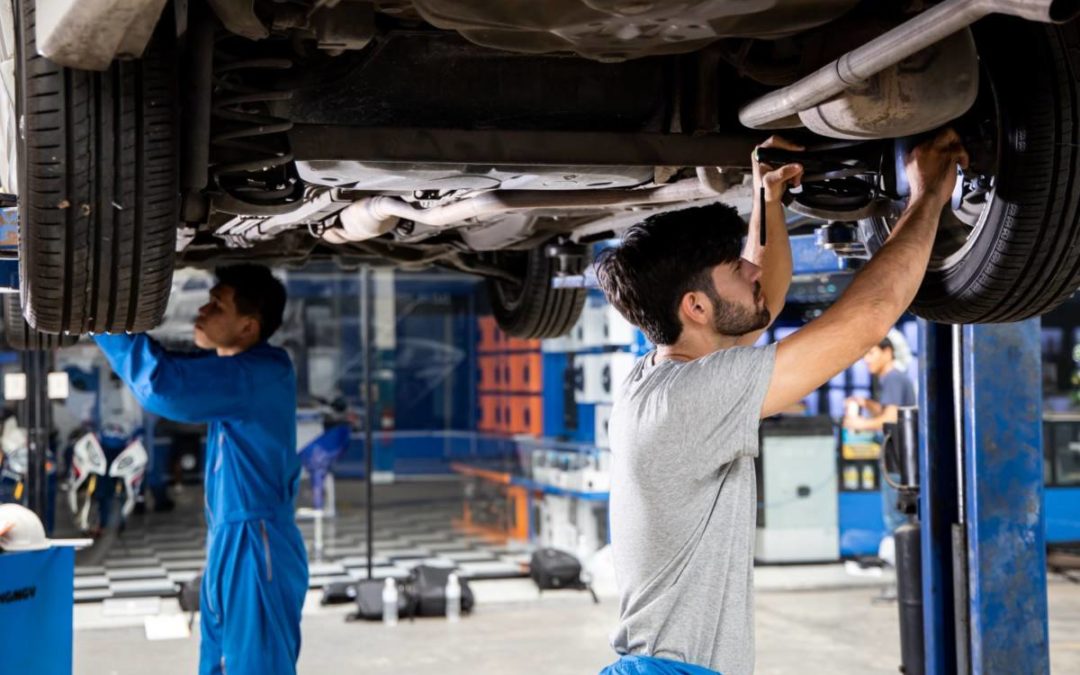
390,602
453,598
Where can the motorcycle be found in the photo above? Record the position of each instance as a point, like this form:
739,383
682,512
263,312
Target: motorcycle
16,456
92,469
15,463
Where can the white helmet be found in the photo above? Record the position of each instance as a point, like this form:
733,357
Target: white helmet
27,533
23,531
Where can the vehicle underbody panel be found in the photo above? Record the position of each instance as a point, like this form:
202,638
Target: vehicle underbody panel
299,142
614,30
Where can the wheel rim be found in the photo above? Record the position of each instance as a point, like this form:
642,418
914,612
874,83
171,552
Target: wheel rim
963,220
962,223
960,228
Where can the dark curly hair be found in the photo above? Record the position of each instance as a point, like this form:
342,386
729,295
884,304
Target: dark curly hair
663,258
257,293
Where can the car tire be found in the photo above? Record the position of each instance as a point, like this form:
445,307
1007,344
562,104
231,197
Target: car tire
533,309
98,187
20,337
1022,257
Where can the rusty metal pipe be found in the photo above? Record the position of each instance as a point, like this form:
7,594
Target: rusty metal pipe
372,216
780,108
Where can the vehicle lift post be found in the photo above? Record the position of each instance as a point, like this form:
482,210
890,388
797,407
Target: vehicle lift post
981,499
35,416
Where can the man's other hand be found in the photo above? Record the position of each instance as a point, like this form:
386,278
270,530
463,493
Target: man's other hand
931,167
777,180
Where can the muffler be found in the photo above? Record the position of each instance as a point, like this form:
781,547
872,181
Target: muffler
781,109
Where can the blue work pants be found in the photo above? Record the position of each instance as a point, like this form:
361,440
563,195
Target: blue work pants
252,592
630,664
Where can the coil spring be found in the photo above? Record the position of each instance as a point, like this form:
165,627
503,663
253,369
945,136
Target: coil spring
252,162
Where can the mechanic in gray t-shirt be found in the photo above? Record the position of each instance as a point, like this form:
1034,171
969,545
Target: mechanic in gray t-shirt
890,390
684,426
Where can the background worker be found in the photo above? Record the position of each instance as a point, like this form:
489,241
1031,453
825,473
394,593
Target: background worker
684,427
256,573
890,388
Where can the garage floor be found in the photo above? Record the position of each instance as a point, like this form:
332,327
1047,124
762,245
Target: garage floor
810,619
840,631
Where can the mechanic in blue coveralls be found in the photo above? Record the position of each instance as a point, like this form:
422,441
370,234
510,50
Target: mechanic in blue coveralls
256,572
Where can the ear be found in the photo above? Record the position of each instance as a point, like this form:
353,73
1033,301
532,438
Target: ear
251,328
695,308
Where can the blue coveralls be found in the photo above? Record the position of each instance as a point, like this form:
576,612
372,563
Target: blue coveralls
256,572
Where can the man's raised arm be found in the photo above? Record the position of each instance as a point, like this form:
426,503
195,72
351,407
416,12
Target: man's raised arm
774,258
186,389
880,292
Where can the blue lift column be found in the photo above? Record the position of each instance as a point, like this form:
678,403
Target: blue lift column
981,500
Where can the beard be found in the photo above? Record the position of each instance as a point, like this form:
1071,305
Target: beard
736,320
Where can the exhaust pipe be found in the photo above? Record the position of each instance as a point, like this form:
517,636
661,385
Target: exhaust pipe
373,216
780,109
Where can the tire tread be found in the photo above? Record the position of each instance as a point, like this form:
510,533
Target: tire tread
99,203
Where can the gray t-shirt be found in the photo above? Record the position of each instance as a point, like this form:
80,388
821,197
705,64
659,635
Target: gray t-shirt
894,388
683,507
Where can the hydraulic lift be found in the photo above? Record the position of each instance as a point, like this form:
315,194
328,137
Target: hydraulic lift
980,504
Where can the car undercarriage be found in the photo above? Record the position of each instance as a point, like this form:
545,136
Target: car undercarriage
495,138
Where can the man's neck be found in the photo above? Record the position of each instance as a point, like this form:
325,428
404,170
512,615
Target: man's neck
234,350
693,345
885,370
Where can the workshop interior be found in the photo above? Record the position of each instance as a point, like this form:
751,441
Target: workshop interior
432,184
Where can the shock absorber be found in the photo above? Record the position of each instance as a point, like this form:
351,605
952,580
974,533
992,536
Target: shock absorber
251,162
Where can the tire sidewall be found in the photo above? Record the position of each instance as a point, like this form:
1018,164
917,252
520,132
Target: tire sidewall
540,311
952,292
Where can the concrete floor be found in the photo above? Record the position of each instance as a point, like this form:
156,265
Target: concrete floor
810,619
840,631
